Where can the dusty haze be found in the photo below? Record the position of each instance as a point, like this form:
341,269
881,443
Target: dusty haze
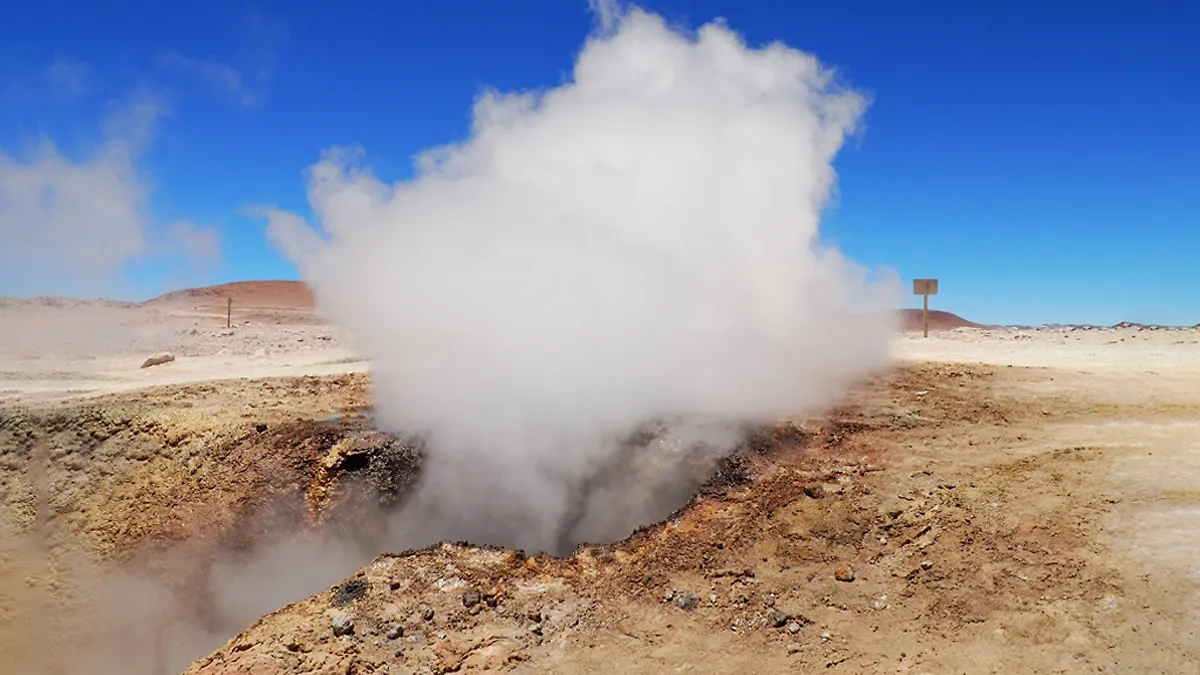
638,244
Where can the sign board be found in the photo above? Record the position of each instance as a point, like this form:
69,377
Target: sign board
925,286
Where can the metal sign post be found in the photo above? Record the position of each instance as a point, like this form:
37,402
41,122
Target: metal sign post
925,288
229,313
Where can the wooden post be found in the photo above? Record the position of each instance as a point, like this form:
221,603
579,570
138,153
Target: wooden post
925,315
229,313
925,288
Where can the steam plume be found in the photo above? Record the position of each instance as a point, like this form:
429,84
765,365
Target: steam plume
638,244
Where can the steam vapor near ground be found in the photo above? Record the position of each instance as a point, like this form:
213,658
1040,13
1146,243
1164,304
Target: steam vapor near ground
638,244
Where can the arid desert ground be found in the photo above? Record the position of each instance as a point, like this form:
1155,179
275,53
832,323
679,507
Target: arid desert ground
1001,501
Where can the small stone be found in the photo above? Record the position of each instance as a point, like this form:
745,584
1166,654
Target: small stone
777,618
843,572
471,597
343,624
926,564
793,628
427,613
535,616
492,597
395,632
354,589
158,359
686,601
668,596
793,647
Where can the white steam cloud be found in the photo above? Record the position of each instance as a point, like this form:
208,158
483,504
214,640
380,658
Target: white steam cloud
639,244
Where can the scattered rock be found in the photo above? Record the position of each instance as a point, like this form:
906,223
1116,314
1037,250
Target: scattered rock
350,591
777,618
793,647
843,572
426,613
395,632
492,597
926,564
686,601
668,596
793,628
343,624
471,597
158,359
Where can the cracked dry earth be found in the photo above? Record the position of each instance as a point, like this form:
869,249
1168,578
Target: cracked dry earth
948,518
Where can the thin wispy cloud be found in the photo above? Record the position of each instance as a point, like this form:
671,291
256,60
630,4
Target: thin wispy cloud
220,77
69,77
245,84
71,222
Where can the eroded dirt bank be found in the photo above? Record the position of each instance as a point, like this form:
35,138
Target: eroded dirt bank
130,519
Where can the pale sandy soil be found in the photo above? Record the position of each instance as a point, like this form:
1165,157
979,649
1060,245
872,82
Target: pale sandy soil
91,348
1143,386
1034,508
1013,501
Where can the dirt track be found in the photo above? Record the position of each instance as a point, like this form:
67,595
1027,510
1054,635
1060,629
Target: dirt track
1009,501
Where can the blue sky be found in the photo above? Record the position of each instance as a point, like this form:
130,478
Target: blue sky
1041,158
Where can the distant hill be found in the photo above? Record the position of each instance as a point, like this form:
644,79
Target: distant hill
910,320
296,295
245,294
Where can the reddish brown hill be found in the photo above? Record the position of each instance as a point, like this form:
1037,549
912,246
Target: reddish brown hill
938,320
245,294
